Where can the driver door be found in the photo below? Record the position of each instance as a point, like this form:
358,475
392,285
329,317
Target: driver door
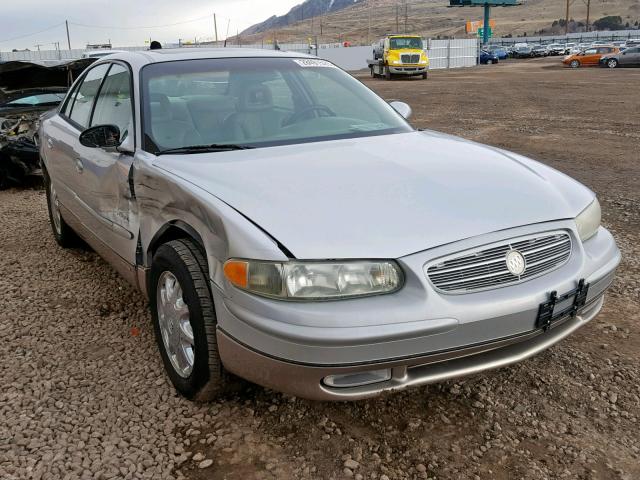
108,192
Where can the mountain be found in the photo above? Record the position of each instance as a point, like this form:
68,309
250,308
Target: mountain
301,12
362,21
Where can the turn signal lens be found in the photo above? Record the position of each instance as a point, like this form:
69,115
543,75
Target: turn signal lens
237,272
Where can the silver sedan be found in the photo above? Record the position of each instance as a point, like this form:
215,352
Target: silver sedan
291,228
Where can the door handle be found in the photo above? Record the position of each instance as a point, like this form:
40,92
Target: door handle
79,165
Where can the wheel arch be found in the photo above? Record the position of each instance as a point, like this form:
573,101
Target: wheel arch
174,230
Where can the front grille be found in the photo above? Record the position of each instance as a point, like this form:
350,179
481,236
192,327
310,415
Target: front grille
486,267
410,58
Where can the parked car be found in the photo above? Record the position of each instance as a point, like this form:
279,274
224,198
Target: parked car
556,49
500,51
589,57
292,228
27,90
627,58
568,47
488,57
522,52
632,42
539,51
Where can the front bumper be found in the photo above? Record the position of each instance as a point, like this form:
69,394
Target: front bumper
421,334
408,69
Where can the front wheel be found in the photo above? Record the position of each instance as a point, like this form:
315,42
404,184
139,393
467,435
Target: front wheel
387,73
574,64
612,63
425,76
184,321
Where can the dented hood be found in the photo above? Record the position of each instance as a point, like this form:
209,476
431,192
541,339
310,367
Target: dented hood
21,75
383,196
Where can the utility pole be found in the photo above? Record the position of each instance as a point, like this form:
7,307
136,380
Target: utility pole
588,12
215,27
406,15
66,23
566,23
369,17
227,35
38,45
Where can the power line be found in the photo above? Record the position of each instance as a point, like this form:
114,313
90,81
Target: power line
32,34
114,27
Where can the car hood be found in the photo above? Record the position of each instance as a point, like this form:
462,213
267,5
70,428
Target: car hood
383,196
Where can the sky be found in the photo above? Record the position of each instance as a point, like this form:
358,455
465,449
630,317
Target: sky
126,22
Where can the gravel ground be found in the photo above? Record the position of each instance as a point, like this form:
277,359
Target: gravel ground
84,395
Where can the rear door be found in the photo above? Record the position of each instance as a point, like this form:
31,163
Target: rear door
108,194
61,147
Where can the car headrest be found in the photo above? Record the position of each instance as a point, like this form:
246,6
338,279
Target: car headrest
255,99
160,107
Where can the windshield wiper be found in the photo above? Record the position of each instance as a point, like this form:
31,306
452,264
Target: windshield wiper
215,147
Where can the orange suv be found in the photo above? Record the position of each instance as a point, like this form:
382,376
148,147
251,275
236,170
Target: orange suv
589,57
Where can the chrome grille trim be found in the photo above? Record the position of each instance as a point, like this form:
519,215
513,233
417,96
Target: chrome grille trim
410,58
485,267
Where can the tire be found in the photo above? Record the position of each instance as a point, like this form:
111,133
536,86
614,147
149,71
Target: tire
575,64
490,62
387,73
425,75
192,362
62,233
373,72
612,63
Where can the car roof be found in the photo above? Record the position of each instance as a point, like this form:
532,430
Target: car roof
144,57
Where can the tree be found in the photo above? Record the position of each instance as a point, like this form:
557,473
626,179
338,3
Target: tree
611,22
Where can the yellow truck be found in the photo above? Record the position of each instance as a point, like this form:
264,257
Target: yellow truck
399,55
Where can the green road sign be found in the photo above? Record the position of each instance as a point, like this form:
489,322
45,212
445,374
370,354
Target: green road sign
481,32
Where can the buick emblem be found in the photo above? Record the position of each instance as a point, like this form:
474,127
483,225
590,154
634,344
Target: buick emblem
516,262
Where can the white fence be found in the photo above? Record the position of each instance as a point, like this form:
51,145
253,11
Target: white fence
442,53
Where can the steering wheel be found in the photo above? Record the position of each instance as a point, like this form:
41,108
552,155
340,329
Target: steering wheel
298,116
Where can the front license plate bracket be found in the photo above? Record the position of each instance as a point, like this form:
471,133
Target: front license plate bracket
546,314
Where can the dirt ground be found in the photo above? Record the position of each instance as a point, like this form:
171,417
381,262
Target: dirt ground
83,394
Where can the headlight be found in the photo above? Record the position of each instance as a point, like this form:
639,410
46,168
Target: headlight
314,280
396,62
588,221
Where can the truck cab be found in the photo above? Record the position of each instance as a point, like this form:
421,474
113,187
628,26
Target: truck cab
399,55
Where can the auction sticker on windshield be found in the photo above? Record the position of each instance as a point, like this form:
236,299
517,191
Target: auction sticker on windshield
312,62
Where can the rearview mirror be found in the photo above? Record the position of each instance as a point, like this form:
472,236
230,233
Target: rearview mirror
101,136
402,108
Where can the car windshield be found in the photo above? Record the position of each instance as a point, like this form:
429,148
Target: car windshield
397,43
258,102
36,100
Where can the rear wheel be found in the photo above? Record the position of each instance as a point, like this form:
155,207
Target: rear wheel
387,73
184,321
612,63
373,72
63,234
574,64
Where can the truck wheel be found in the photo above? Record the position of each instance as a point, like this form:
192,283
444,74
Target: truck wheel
373,72
387,73
62,233
424,76
184,321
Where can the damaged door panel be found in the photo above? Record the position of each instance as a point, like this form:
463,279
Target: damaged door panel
27,91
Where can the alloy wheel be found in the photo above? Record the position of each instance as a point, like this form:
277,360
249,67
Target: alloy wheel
175,324
55,209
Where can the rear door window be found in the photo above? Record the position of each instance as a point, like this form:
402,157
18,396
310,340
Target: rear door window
83,102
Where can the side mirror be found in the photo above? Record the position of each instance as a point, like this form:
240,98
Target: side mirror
101,136
402,108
